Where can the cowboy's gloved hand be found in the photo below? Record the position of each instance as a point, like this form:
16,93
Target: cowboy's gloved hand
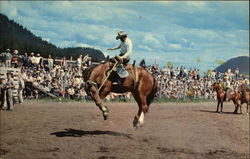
118,58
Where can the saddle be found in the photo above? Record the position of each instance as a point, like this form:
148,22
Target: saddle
118,73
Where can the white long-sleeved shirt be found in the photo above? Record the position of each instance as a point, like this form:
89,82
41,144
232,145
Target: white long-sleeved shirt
126,49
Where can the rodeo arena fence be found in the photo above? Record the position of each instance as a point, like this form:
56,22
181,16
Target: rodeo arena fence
62,78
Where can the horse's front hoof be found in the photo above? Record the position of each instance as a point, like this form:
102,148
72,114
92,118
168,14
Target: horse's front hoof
105,113
105,117
135,122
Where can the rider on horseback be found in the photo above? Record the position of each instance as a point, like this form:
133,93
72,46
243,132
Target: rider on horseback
124,57
226,86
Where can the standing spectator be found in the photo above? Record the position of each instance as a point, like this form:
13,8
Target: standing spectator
38,60
32,59
3,104
14,60
237,73
8,58
9,86
21,86
71,61
79,63
64,63
50,63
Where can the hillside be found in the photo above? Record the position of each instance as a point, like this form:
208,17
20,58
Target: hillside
241,62
15,36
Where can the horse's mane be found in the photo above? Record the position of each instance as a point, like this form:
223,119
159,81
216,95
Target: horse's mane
244,87
86,73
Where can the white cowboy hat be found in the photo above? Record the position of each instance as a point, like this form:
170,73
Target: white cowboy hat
121,34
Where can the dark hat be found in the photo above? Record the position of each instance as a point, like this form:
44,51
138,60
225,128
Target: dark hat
121,34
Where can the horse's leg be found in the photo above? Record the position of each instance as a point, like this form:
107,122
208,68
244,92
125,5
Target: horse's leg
103,108
98,98
136,118
240,107
236,107
221,107
143,108
247,108
218,106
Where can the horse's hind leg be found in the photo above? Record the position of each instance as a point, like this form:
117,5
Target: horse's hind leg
221,107
218,106
143,108
236,107
247,109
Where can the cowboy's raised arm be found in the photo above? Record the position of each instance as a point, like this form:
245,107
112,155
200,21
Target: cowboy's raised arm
118,47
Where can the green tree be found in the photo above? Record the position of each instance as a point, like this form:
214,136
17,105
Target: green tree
198,60
219,62
169,64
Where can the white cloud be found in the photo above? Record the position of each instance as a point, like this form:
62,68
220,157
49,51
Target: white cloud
144,47
150,39
209,29
175,46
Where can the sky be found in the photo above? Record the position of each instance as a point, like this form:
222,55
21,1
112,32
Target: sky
161,31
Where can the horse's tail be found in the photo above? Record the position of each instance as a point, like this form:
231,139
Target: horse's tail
153,92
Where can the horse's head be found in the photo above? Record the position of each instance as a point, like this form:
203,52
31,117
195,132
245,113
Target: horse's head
215,86
242,87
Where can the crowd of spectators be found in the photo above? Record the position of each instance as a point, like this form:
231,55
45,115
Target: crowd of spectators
182,83
63,77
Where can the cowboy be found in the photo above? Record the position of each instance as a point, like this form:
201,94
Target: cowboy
226,86
125,46
125,53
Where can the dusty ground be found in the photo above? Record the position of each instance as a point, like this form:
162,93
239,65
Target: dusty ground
42,130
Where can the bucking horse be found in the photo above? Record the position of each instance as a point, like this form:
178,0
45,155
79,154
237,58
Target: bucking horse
99,83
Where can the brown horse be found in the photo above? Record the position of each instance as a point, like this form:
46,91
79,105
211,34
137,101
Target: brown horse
245,98
139,82
221,97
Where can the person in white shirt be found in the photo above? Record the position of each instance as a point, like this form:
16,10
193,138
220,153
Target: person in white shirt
124,57
79,63
126,47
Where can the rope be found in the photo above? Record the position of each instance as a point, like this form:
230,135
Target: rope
108,74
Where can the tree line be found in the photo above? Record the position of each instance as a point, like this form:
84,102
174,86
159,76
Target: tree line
16,37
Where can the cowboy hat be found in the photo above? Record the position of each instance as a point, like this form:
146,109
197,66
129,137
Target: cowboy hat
121,34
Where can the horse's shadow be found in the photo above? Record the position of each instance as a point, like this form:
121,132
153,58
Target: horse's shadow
79,133
209,111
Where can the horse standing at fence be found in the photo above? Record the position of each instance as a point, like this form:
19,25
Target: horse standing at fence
98,84
221,97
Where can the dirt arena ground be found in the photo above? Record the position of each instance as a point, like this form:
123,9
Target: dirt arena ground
43,130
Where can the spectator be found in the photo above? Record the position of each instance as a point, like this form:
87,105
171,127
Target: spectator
8,58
